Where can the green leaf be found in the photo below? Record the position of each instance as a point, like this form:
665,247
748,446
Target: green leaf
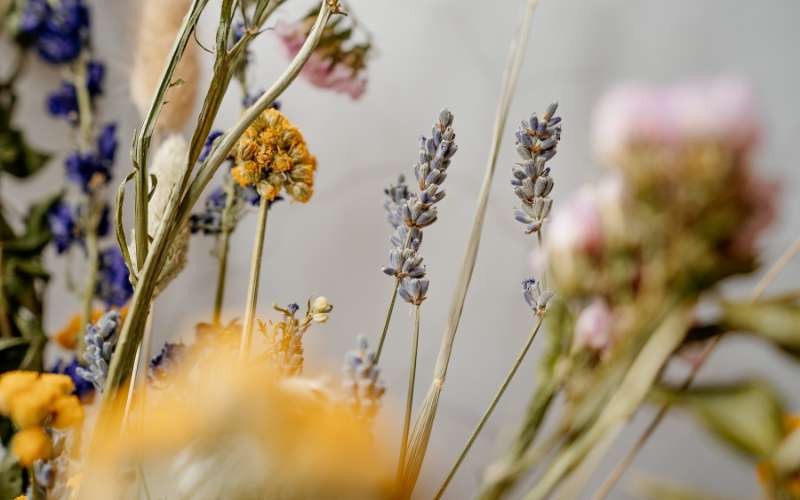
746,415
37,230
10,477
777,321
17,157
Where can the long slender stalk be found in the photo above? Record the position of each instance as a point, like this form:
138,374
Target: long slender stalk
424,422
219,296
630,394
388,320
412,373
5,324
490,409
255,276
759,289
179,209
141,143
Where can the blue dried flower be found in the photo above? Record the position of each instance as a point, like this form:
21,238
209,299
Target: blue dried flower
92,170
209,144
63,102
113,284
58,30
83,387
165,360
535,295
63,226
101,339
212,220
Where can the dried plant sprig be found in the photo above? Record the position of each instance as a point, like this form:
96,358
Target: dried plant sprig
101,339
423,424
159,22
409,213
536,142
180,208
285,338
362,384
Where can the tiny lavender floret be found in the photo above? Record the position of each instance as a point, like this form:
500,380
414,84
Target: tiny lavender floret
536,142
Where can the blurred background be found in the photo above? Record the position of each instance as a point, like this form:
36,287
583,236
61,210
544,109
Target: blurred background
431,54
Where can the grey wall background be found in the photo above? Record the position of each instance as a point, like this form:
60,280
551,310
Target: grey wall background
437,53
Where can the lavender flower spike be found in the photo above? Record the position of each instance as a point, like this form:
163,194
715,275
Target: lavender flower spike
101,338
410,212
362,385
536,142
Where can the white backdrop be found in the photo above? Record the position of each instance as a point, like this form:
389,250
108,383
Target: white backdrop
437,53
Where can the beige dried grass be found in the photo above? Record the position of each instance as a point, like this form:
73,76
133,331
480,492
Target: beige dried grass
159,22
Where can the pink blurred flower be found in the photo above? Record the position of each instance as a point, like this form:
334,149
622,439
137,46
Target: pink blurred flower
320,71
593,327
721,110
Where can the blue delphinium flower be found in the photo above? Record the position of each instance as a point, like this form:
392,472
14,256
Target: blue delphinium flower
58,30
63,226
113,283
101,339
209,144
93,169
63,102
83,387
165,360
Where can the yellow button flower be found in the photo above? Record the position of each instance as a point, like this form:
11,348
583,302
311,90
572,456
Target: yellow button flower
272,155
32,444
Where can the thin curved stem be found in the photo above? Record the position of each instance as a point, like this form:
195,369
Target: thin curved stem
387,321
219,296
255,277
412,373
490,409
759,289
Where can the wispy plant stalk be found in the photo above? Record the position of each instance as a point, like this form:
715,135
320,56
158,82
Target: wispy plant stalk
412,373
224,244
423,425
255,275
492,406
388,320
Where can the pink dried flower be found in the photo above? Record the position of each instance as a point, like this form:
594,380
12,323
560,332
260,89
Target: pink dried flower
577,226
322,70
593,327
721,110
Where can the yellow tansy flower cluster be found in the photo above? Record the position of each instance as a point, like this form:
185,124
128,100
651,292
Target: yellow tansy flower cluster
272,154
32,401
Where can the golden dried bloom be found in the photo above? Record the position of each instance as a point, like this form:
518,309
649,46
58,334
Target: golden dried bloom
32,444
29,398
223,429
272,154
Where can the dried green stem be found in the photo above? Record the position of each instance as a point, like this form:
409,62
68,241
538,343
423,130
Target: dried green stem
219,296
492,406
412,374
255,275
5,324
424,422
86,121
388,320
759,289
141,143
